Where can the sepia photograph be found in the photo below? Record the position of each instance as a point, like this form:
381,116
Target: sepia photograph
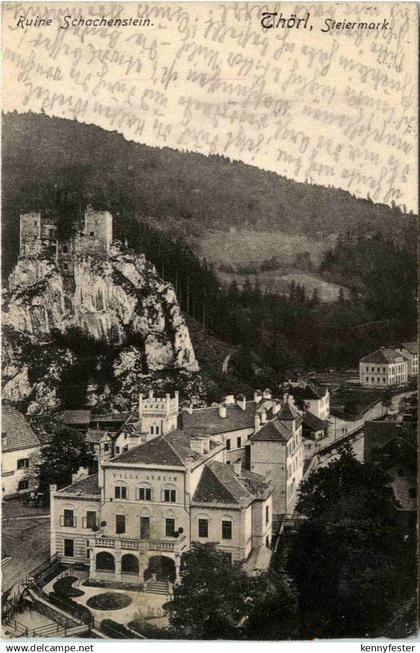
209,321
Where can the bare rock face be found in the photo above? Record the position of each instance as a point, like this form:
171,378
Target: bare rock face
120,301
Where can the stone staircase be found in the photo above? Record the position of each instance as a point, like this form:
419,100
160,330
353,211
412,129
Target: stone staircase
157,587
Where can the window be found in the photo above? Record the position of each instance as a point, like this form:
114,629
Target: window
23,484
228,445
125,448
226,530
69,520
106,446
119,524
87,550
120,492
170,527
239,442
267,514
69,548
203,528
64,249
145,494
152,430
169,496
117,450
91,233
144,528
65,266
91,519
22,463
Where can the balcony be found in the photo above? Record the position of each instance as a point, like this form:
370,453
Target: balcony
138,545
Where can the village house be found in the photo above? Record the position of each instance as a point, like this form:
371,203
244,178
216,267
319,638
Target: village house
393,446
410,351
383,368
20,440
132,521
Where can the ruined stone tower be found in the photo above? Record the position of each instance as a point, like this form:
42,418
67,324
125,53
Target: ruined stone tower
38,234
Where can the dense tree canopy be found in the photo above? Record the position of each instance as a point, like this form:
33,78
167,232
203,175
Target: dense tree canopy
353,558
219,600
60,458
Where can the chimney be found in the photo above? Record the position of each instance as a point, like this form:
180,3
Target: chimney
241,401
150,394
82,472
267,393
263,417
229,400
285,398
222,410
276,406
237,467
196,444
257,422
257,396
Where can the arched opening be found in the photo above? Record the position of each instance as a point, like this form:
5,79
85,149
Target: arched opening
129,564
162,567
105,561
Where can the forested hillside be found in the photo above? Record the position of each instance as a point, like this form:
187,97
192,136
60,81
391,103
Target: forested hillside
185,193
60,165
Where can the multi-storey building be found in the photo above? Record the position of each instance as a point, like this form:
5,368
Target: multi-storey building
410,350
149,504
276,452
19,440
383,368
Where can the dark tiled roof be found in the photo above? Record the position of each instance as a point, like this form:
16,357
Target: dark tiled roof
384,355
172,449
256,484
17,433
412,347
313,422
86,486
287,414
219,484
209,421
76,416
94,436
273,431
312,391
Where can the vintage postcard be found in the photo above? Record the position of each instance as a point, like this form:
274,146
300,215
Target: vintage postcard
209,321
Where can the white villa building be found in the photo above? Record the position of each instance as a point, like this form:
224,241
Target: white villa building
133,520
169,477
383,368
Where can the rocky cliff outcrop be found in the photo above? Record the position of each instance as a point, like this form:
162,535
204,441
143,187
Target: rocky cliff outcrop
120,302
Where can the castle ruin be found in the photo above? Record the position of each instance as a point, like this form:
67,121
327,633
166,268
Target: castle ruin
38,235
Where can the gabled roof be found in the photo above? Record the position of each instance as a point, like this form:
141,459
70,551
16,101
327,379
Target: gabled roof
273,431
172,449
384,355
17,433
312,391
87,486
412,347
94,436
313,422
209,421
77,417
220,485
